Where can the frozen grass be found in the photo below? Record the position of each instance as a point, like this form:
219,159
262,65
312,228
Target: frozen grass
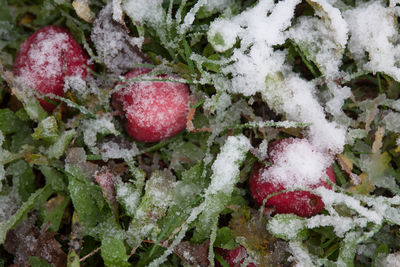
326,72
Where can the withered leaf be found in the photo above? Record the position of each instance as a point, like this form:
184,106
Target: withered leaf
28,240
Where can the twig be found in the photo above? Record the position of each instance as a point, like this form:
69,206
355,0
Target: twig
90,254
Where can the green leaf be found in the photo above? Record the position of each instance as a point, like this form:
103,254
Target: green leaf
54,178
23,178
153,206
188,53
5,12
186,195
22,115
218,194
288,227
113,252
73,259
35,261
221,260
128,196
217,40
31,105
211,66
9,122
38,262
54,211
47,130
383,249
21,213
225,239
87,198
21,138
56,150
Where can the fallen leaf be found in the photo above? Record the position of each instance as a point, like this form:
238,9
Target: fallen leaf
83,10
28,240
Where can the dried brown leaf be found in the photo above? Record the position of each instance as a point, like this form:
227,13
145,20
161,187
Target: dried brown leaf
28,240
250,231
197,255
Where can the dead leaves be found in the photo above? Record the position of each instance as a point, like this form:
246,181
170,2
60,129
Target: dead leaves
27,240
250,231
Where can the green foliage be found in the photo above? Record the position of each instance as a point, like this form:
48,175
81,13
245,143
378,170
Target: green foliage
162,195
57,149
9,122
54,211
47,129
113,252
73,259
225,239
54,178
295,227
23,178
33,200
87,198
38,262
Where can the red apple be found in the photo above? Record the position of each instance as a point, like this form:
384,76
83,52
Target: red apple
234,257
154,110
301,203
46,58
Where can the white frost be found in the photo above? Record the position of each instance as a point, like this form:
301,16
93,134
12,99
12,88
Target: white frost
225,167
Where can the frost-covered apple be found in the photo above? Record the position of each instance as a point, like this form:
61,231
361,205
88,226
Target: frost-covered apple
234,257
46,58
265,180
154,110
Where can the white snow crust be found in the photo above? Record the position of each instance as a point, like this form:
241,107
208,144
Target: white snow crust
298,162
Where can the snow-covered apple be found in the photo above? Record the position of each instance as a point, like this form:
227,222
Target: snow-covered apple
46,58
153,110
264,183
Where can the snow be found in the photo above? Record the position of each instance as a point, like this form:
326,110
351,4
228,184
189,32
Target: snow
119,51
292,227
190,16
8,205
299,255
341,224
160,188
76,85
113,150
298,165
353,134
225,169
374,39
312,35
92,127
223,40
392,121
44,54
142,11
330,198
257,67
332,15
392,259
127,195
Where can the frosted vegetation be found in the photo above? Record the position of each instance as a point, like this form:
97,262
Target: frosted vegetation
258,71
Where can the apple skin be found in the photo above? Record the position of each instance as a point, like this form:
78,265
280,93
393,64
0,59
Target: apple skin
301,203
153,110
46,58
230,256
